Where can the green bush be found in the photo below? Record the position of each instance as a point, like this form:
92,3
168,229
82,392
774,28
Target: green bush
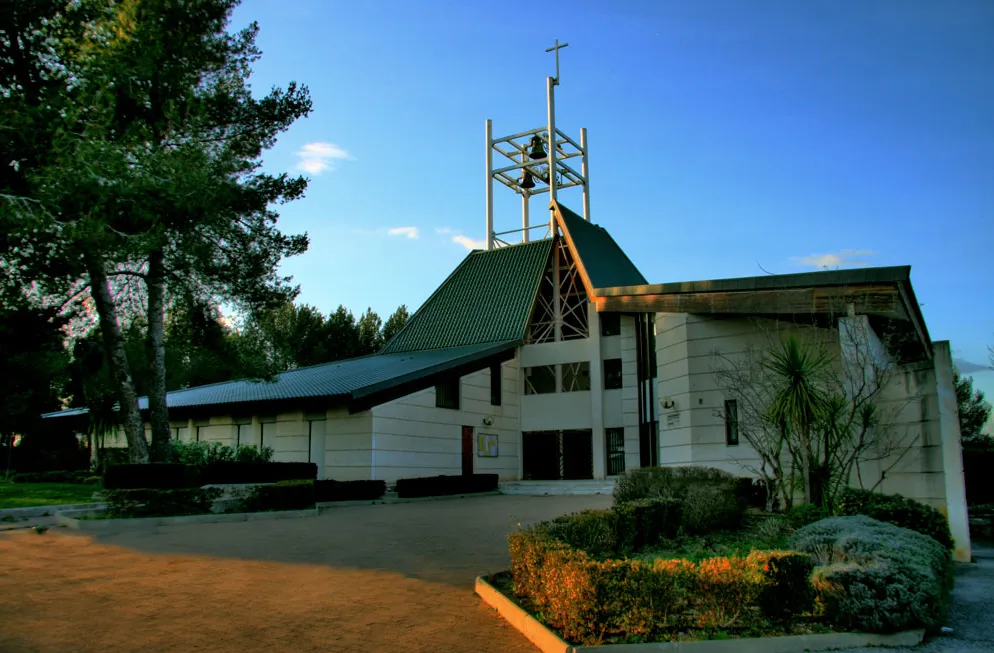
285,495
160,503
875,576
709,508
788,588
642,523
898,510
203,453
804,514
594,532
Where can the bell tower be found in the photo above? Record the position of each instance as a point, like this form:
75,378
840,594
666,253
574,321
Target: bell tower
540,160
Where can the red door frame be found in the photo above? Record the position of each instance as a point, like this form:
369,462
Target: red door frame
467,450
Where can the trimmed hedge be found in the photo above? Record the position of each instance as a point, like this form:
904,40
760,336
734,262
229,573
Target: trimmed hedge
154,476
78,478
431,486
587,599
145,502
285,495
621,530
230,473
899,511
349,490
877,577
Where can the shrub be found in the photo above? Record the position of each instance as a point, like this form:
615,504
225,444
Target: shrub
249,453
875,576
586,598
158,476
285,495
205,453
787,590
708,508
431,486
594,532
804,514
77,477
159,502
229,473
898,510
644,522
349,490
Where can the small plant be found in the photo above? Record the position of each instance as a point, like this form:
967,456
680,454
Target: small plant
160,503
285,495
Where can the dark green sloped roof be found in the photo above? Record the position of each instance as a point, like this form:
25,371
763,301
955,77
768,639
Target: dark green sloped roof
606,264
348,380
488,298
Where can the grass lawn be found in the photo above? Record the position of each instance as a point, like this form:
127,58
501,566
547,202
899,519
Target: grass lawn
27,495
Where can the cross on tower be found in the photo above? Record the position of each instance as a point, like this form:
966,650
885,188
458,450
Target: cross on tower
556,48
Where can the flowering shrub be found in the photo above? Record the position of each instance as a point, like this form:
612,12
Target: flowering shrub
587,598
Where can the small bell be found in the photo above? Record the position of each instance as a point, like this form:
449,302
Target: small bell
526,181
537,148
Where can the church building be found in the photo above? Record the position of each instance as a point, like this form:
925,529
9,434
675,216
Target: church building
554,363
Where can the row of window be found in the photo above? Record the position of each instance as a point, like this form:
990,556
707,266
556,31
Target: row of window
575,377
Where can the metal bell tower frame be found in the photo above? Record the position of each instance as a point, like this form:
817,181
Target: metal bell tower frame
544,174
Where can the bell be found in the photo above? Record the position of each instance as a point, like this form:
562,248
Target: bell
526,180
537,148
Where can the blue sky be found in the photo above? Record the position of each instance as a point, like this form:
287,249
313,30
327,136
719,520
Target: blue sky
724,136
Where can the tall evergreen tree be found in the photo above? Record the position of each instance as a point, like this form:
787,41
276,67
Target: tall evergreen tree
974,410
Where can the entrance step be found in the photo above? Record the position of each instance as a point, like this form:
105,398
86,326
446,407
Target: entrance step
557,487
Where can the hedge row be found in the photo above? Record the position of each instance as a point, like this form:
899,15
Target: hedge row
899,511
711,499
431,486
147,502
587,599
171,476
875,576
621,530
349,490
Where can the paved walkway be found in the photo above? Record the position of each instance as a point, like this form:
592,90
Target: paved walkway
388,577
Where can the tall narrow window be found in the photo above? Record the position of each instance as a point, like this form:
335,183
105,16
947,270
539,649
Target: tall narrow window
615,440
612,374
495,385
731,422
447,394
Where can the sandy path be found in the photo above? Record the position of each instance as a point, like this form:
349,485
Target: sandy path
395,578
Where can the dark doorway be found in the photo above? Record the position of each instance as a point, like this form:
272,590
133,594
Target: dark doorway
649,444
557,455
467,450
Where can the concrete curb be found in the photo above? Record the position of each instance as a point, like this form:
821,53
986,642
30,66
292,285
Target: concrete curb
69,519
548,642
39,511
391,500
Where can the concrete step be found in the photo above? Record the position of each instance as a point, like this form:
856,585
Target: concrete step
541,488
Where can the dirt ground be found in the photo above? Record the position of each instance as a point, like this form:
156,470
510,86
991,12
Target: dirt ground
390,577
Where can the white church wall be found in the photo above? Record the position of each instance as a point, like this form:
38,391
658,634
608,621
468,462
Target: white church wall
555,411
628,392
348,453
414,438
673,384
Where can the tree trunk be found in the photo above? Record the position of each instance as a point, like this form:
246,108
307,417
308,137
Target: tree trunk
158,412
114,346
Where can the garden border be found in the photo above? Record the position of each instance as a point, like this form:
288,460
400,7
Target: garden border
386,500
548,642
66,518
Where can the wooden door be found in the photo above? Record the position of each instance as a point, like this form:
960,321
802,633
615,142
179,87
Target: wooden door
467,450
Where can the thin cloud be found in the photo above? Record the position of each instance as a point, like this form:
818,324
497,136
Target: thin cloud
966,367
410,232
443,230
846,258
319,157
468,242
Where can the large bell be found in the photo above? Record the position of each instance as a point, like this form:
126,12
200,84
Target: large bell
526,181
537,148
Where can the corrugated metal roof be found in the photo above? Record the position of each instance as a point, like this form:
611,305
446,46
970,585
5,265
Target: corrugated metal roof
488,298
348,379
606,264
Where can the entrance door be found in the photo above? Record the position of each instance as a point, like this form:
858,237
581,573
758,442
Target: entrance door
578,454
467,450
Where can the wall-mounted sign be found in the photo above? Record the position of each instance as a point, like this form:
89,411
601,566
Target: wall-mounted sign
486,445
672,419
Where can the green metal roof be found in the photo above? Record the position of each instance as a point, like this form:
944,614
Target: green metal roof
606,264
488,298
347,381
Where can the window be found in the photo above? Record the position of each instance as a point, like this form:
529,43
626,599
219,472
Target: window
238,434
447,394
610,324
615,440
576,377
612,374
540,380
495,385
731,422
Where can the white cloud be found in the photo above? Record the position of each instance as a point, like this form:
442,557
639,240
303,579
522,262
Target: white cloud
468,242
410,232
846,258
319,157
443,230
